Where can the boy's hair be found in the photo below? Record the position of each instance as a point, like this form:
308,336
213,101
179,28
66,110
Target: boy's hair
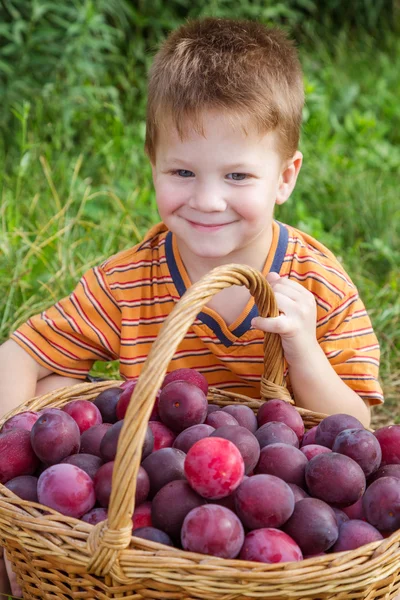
243,68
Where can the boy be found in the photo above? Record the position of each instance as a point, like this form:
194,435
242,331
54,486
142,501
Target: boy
223,122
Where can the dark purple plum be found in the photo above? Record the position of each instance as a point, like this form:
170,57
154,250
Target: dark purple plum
309,436
94,516
386,471
102,484
355,511
148,443
24,486
264,501
381,504
243,415
284,461
335,478
107,402
279,410
167,513
340,515
142,486
185,440
91,439
332,425
360,445
219,418
54,436
313,526
109,442
353,534
298,492
181,405
154,535
276,432
164,466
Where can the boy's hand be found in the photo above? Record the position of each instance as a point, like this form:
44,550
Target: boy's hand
297,322
15,588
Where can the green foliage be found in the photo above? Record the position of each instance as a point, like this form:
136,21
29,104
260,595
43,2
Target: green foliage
76,185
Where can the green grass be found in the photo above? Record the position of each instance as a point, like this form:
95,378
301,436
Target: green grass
76,186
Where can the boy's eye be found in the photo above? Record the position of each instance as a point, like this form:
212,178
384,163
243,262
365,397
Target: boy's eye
238,176
184,173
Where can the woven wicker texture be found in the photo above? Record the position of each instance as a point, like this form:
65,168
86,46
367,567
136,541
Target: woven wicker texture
62,558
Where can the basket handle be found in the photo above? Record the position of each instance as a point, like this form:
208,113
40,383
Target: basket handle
109,537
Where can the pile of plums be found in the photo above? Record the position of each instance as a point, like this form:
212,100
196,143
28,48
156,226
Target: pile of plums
213,480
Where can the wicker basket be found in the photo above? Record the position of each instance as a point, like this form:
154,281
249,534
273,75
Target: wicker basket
59,558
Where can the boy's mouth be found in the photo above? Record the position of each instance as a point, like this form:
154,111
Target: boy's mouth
207,227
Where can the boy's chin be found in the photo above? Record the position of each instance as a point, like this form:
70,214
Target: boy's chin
211,252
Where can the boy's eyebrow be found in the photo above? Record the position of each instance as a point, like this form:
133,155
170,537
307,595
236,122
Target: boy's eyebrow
230,167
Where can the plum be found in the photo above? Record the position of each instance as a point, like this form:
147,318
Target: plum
279,410
54,436
185,440
91,439
24,486
331,426
244,440
269,545
107,402
87,462
190,375
264,501
68,489
335,478
16,455
212,529
85,413
168,514
214,467
181,405
23,420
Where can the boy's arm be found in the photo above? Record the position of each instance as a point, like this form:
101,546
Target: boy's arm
22,377
19,374
315,383
317,386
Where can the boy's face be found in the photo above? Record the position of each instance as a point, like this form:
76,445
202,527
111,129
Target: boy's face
217,193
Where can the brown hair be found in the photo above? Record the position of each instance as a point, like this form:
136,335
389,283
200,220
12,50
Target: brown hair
240,67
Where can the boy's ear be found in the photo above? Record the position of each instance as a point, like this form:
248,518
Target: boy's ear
288,177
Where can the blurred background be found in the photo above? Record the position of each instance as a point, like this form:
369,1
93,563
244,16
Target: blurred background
76,185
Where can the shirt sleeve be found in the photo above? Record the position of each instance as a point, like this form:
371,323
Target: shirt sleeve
80,329
351,346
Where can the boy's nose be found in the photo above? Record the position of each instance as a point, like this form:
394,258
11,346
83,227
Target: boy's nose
207,199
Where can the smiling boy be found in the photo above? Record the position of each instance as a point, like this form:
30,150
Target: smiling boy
224,112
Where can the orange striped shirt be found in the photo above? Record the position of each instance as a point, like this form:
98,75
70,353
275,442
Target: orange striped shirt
117,309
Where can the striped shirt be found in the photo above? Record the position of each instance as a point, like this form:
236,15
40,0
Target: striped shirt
117,309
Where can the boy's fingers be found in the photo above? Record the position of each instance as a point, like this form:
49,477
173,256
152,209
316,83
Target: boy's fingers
15,588
272,324
272,277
